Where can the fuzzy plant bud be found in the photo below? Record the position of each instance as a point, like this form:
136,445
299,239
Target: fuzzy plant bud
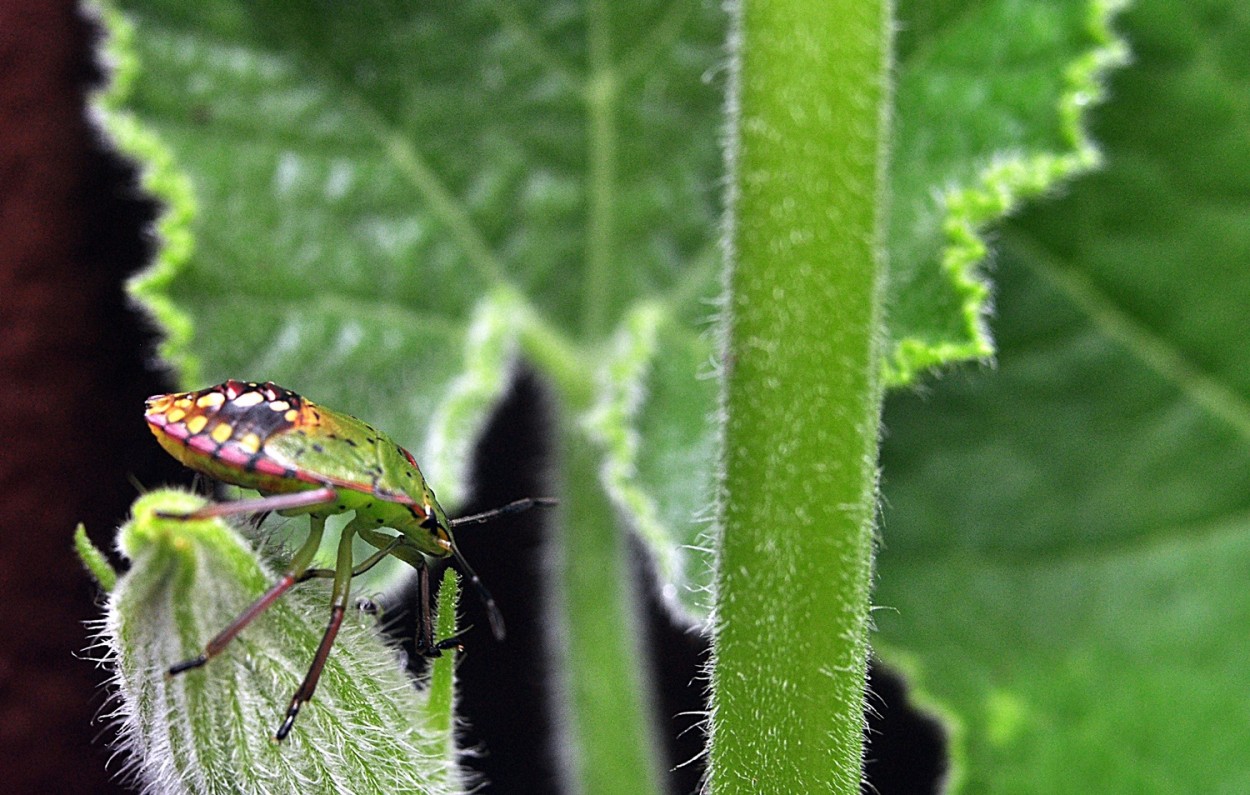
368,729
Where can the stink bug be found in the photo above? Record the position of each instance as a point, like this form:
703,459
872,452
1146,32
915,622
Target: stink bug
305,459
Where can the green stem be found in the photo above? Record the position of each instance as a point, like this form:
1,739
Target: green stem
616,749
601,100
442,670
554,355
802,397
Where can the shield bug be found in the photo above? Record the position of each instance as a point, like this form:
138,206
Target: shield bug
308,460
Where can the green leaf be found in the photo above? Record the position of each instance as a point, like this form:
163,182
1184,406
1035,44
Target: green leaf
1067,537
211,729
355,206
990,101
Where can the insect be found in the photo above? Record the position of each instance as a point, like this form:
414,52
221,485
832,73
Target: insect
309,460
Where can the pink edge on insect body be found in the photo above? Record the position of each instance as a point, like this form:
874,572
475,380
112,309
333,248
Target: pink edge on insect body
213,431
226,432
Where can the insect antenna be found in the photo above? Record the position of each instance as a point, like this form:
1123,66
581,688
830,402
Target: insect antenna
488,601
516,506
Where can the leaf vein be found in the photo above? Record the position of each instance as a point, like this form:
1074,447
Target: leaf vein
1143,342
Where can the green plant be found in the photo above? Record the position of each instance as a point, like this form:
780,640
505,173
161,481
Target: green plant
373,731
386,206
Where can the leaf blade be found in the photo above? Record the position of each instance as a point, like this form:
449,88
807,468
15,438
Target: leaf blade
1095,564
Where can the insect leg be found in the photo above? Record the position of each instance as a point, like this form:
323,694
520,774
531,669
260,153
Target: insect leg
338,598
425,624
408,552
424,642
402,549
298,564
274,502
361,568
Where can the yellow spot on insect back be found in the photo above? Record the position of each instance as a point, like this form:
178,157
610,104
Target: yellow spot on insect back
159,404
291,416
183,403
250,443
211,400
197,423
248,399
222,432
279,405
174,415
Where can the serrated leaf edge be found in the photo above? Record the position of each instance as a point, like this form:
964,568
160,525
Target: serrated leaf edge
159,176
1000,187
491,343
610,424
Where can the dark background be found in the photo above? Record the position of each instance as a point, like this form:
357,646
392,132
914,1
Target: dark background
75,365
72,372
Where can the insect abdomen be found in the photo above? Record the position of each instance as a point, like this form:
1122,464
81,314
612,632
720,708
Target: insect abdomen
222,431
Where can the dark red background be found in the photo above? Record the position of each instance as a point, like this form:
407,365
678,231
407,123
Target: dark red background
71,374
